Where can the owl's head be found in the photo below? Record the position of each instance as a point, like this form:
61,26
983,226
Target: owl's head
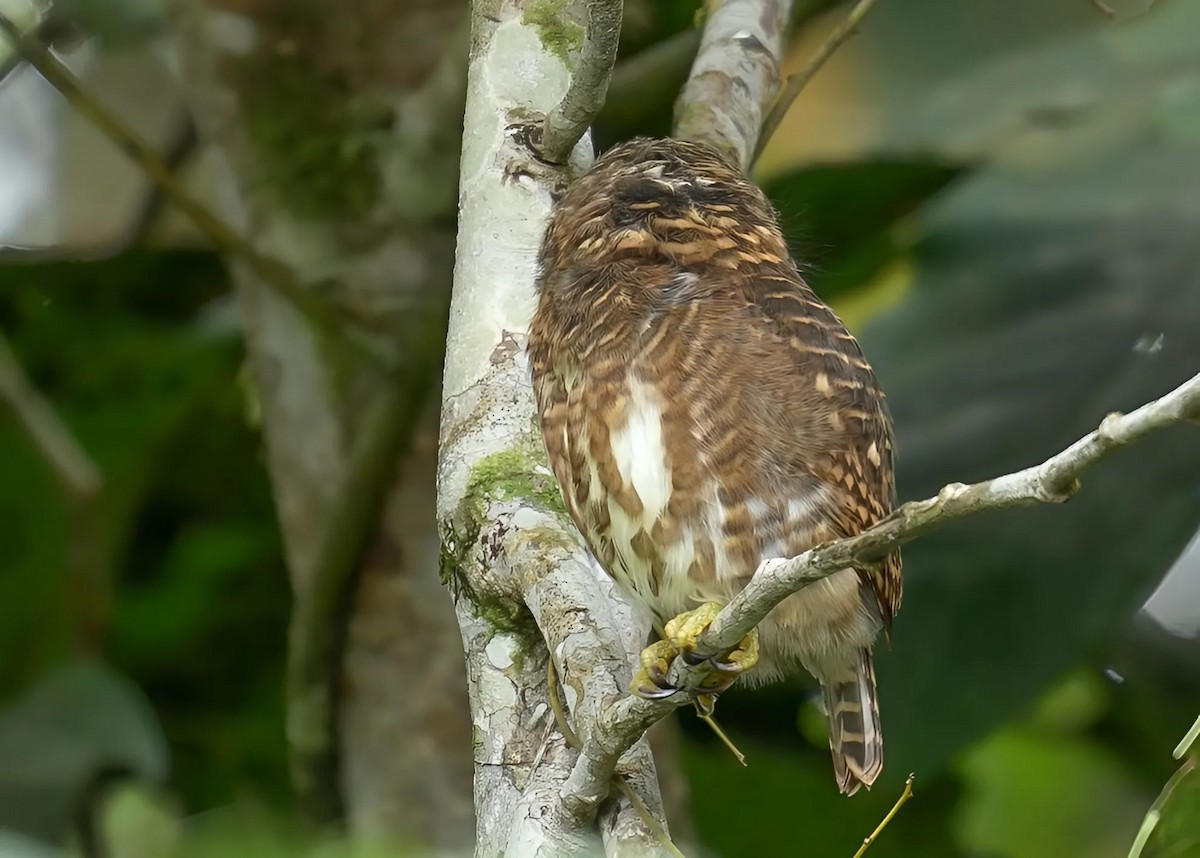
663,200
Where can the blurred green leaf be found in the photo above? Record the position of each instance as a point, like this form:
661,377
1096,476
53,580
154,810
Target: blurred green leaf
118,23
1092,80
14,845
108,349
841,218
1034,299
785,802
139,822
1032,796
127,351
81,721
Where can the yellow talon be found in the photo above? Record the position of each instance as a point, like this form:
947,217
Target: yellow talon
682,636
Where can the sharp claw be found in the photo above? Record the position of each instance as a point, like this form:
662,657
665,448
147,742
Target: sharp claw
728,667
656,692
692,658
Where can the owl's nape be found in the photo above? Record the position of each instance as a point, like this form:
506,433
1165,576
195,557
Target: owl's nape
703,411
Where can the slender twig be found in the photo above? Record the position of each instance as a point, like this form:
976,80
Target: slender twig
70,463
734,77
567,122
904,797
1104,9
800,79
1154,814
1053,481
88,564
1188,740
274,273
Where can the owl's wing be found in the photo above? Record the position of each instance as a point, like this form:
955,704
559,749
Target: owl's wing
856,466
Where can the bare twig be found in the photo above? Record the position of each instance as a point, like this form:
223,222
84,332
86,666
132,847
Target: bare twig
567,122
800,79
70,463
900,802
227,240
734,77
1053,481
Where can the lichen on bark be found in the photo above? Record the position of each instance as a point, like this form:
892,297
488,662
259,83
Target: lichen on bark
559,35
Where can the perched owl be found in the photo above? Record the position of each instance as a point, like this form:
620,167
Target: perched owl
704,411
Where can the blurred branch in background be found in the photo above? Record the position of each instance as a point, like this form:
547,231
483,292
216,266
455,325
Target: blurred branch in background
223,237
70,463
24,18
1053,481
320,621
342,134
570,118
88,566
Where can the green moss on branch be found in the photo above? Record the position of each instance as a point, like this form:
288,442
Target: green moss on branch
559,34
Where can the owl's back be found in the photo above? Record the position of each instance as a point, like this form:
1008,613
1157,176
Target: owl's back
702,409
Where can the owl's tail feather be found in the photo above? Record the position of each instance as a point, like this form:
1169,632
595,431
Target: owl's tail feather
852,710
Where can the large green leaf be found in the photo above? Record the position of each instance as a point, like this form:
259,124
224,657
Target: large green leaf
1044,299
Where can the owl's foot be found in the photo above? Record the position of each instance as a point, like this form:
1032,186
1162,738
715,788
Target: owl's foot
682,636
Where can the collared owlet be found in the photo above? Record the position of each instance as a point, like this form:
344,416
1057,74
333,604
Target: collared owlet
704,411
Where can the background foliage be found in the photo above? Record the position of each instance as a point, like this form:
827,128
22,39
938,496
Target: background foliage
999,197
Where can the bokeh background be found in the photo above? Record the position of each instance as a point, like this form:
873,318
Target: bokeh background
1001,198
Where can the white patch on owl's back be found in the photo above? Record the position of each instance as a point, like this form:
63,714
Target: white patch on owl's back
641,459
638,451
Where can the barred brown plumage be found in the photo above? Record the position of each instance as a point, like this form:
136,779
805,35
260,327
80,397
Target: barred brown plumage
704,411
